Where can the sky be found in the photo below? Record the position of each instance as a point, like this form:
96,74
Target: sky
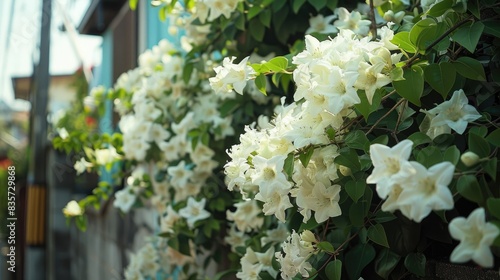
17,43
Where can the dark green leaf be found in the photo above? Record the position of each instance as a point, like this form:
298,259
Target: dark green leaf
357,214
494,138
288,165
326,246
297,4
412,87
468,35
253,11
473,7
258,29
386,262
358,258
306,155
265,17
318,4
479,145
349,158
494,206
355,189
470,68
418,138
490,166
440,77
491,27
357,140
423,28
376,233
365,107
333,270
415,263
452,154
468,187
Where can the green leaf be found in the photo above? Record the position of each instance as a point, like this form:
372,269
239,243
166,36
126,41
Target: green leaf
260,83
415,263
326,246
440,77
429,156
258,29
419,138
491,27
490,166
376,233
357,140
365,107
288,165
493,205
382,217
348,158
318,4
494,138
385,262
228,106
468,35
423,31
479,145
412,87
306,155
333,270
452,154
358,258
473,7
440,8
265,17
402,40
468,187
357,214
277,64
187,71
332,4
355,189
297,4
253,11
470,68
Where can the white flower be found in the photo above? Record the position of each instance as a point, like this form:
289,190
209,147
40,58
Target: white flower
321,24
167,222
294,261
106,156
72,209
476,236
455,113
427,190
352,21
124,199
390,165
232,76
63,133
194,211
246,216
82,165
270,172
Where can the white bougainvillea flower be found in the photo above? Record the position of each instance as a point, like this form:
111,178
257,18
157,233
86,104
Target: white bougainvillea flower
476,236
194,211
455,113
390,166
322,25
427,190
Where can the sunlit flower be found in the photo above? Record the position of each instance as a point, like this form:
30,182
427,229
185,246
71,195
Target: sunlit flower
124,199
82,165
476,236
321,24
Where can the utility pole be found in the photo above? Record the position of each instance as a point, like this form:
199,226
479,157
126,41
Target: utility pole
36,253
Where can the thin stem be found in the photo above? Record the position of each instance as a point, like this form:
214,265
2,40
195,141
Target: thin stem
384,116
373,25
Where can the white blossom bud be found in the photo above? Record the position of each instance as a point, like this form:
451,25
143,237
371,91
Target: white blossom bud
72,209
469,158
344,170
308,236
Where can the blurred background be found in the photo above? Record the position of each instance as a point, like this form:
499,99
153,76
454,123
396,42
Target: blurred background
52,52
